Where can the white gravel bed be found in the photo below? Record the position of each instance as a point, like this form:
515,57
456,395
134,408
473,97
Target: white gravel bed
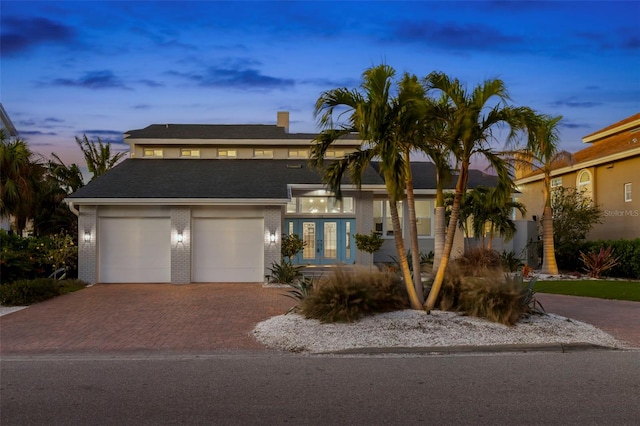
4,310
412,328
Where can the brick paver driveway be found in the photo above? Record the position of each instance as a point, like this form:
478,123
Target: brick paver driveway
193,318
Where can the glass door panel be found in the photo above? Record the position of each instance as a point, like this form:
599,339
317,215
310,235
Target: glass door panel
309,237
330,240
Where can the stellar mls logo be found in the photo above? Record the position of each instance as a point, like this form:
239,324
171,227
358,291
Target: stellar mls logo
621,213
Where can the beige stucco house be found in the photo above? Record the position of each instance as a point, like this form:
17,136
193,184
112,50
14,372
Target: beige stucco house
608,171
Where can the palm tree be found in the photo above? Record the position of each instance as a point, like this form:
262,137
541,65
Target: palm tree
69,178
470,124
542,148
373,113
486,206
20,176
98,156
434,144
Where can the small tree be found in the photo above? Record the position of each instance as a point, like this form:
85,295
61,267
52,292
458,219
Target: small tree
292,244
369,243
573,217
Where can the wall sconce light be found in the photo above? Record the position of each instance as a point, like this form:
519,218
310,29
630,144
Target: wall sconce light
179,237
272,238
87,236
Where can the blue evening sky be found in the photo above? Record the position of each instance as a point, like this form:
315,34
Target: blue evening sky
104,67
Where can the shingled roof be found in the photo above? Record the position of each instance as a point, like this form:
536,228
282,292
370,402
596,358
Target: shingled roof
424,177
205,179
627,140
217,131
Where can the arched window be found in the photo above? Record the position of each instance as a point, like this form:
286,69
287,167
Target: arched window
584,184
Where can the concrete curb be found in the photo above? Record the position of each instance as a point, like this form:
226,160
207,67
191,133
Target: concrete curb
444,350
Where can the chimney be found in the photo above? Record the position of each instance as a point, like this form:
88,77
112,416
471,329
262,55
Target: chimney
523,164
283,120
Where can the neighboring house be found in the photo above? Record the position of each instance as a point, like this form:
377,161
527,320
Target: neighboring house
209,203
10,132
607,171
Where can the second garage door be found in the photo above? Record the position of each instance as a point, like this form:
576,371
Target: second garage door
227,250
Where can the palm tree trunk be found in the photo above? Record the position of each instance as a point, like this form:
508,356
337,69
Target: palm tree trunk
402,257
440,227
549,265
451,230
413,233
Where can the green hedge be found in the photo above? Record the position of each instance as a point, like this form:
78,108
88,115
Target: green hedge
27,292
628,252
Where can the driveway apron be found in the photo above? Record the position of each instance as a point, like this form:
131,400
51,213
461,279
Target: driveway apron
105,318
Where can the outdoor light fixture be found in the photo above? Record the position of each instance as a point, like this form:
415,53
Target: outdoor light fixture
179,237
87,236
272,238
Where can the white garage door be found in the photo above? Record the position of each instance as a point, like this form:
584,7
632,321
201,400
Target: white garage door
228,250
135,250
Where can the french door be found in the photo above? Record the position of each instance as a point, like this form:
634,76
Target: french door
327,241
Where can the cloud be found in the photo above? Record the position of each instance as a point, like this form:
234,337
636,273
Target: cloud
103,79
573,103
151,83
332,84
21,34
237,75
106,136
37,133
53,120
141,106
572,125
456,36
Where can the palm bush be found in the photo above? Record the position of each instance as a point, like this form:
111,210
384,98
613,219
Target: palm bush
285,272
346,297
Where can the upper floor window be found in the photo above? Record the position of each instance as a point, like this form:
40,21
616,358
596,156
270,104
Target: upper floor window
627,192
556,182
188,152
263,153
298,153
151,152
227,153
584,184
320,205
334,153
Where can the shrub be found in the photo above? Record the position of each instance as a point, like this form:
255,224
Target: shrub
346,297
597,263
300,291
490,294
510,261
478,262
628,253
285,272
291,245
27,292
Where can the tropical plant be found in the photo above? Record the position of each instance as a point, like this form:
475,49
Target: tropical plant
510,261
299,291
378,118
471,121
369,243
542,151
285,272
20,175
98,156
595,264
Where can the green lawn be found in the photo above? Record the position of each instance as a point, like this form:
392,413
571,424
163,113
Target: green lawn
603,289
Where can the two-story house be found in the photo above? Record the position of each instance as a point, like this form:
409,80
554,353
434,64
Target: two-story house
210,203
607,171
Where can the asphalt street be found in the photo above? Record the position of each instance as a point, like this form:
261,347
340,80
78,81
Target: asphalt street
595,387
